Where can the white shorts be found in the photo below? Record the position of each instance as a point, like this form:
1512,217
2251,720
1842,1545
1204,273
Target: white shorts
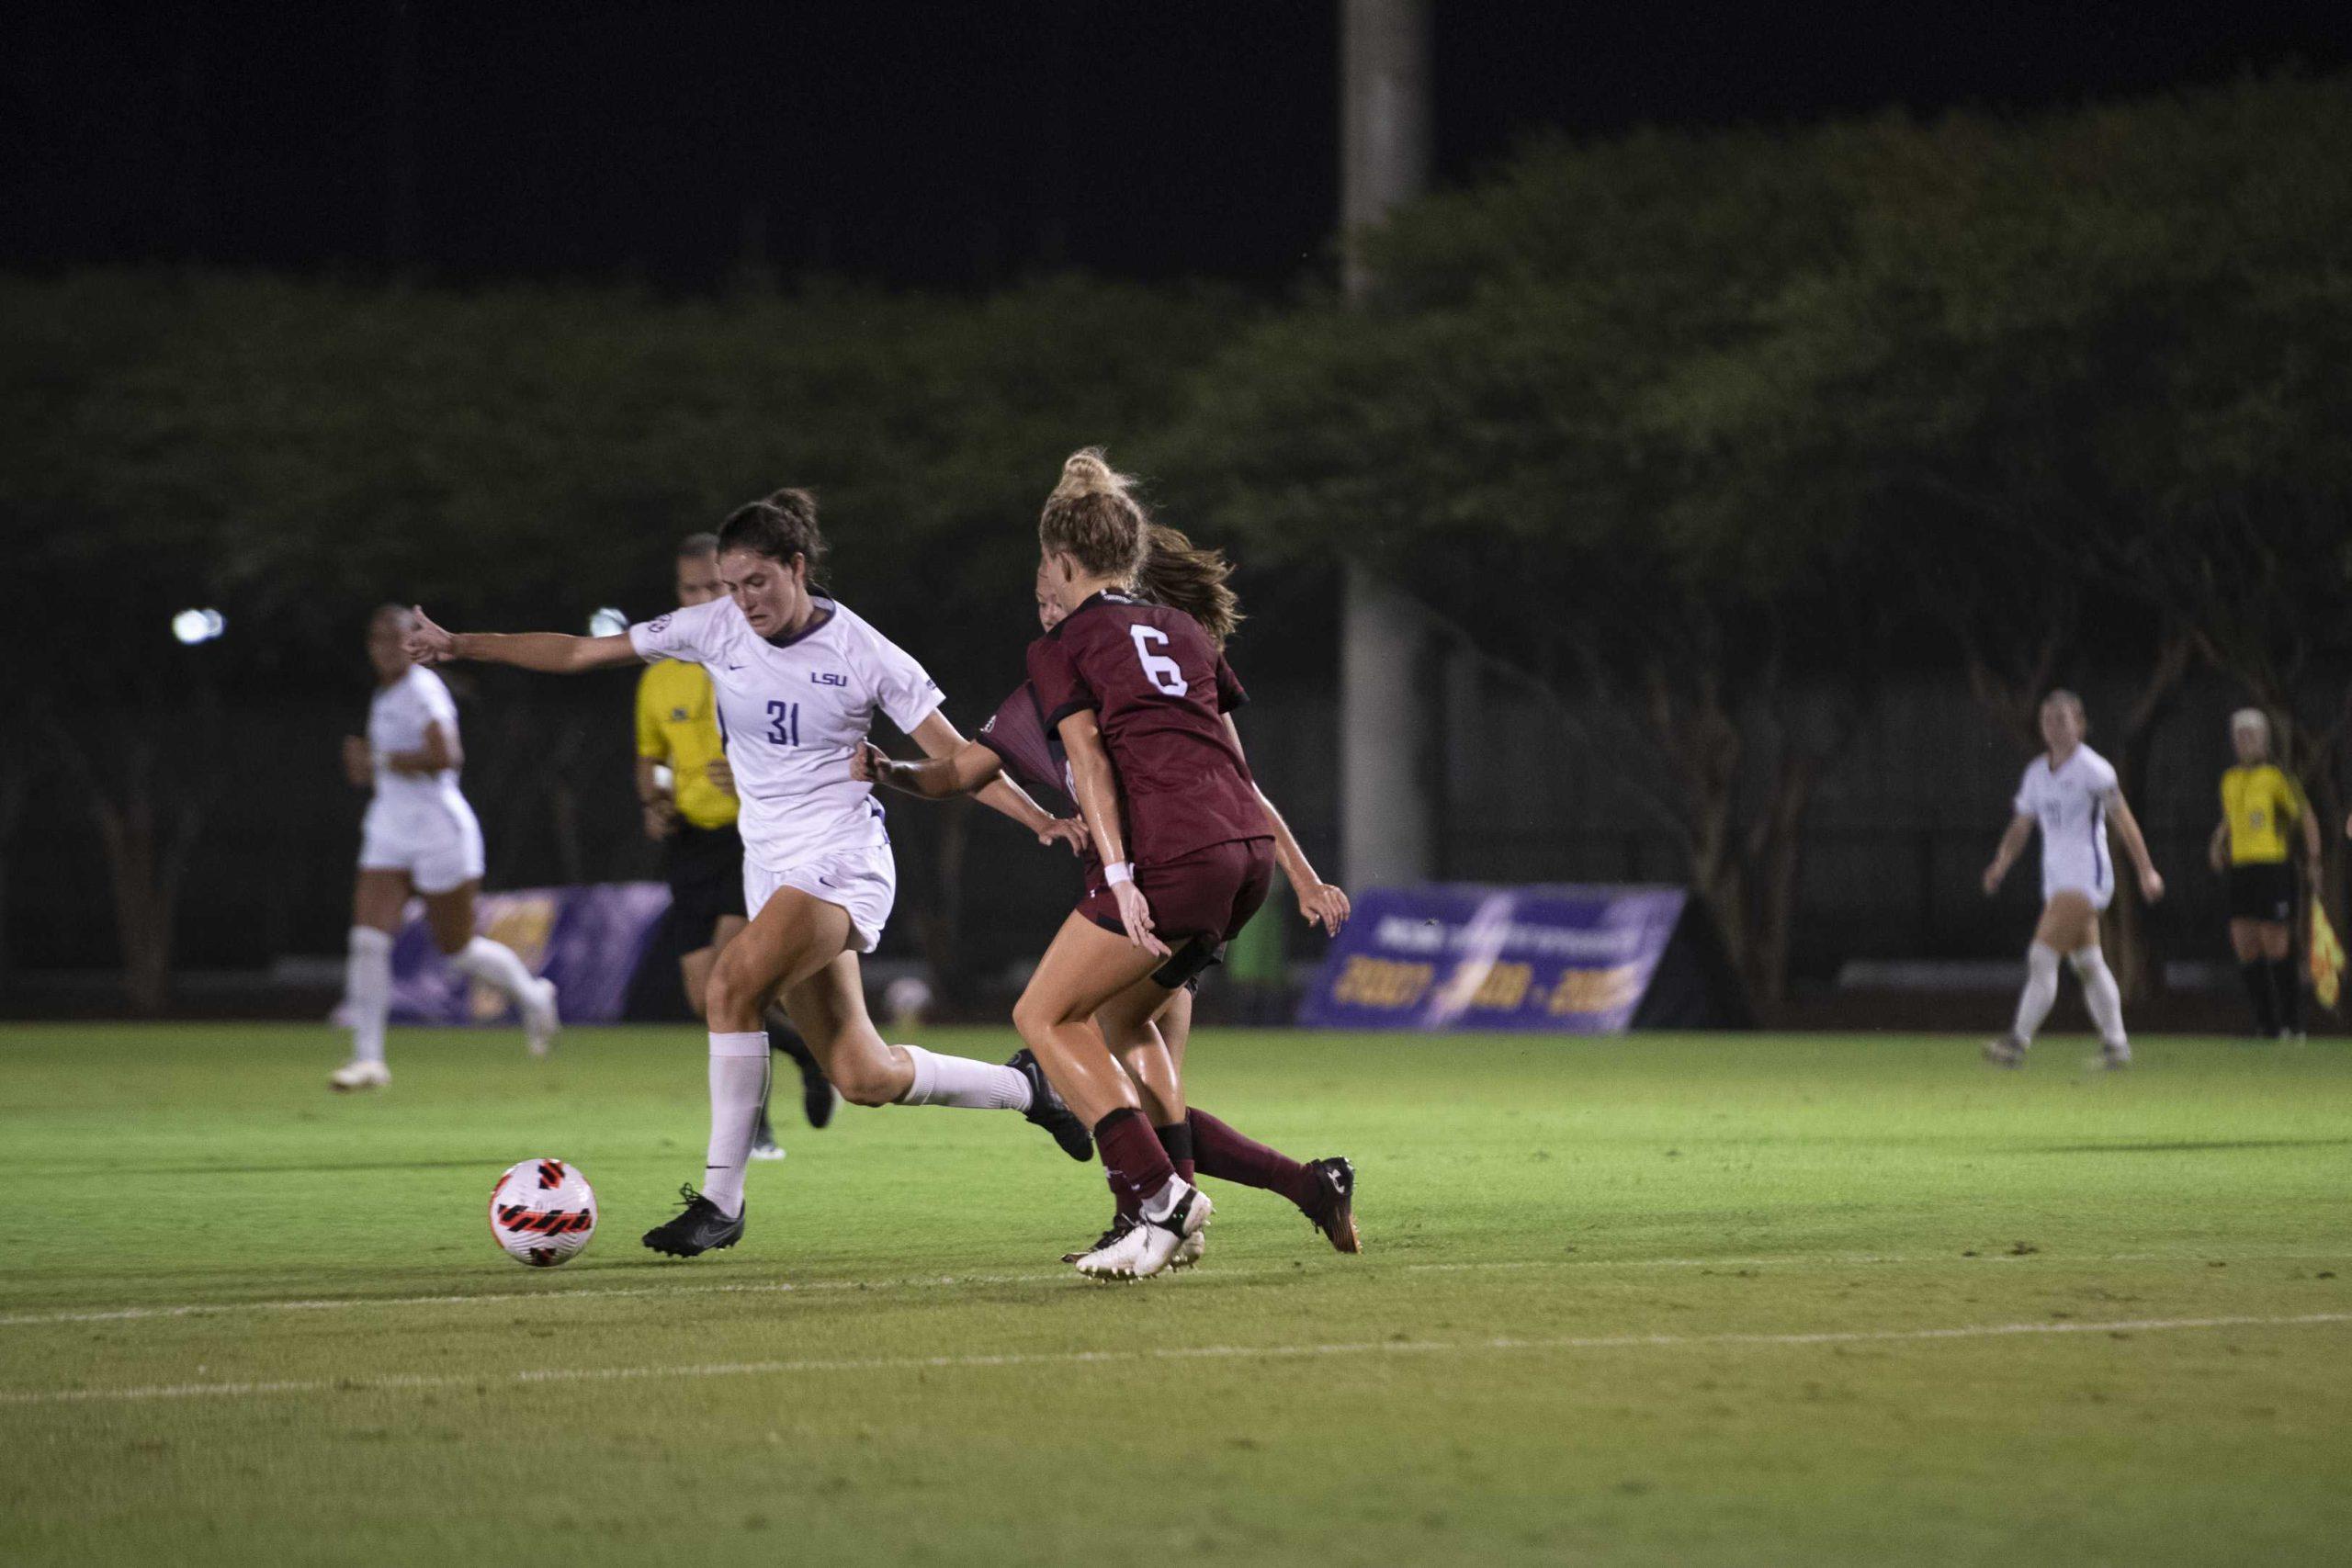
2100,897
439,852
862,882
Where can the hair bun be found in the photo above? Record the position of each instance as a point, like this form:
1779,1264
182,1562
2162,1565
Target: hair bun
1085,473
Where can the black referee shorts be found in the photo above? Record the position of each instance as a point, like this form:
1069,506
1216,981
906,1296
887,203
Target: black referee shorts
705,869
2263,892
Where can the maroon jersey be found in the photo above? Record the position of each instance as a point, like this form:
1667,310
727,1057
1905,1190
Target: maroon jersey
1159,690
1033,754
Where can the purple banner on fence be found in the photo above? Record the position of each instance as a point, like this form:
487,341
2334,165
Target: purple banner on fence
1455,956
587,940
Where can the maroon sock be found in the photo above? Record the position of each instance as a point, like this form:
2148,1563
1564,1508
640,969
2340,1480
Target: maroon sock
1177,1139
1227,1156
1131,1154
1123,1202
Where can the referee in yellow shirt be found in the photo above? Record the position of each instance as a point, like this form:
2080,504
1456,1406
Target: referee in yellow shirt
693,813
2258,800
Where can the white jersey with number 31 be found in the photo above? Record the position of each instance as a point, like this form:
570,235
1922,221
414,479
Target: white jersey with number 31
793,712
2069,802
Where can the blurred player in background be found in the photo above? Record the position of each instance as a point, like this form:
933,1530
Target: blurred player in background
1148,1027
2070,792
799,678
692,815
2249,848
418,837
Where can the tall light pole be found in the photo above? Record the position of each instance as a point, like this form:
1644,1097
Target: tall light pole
1387,813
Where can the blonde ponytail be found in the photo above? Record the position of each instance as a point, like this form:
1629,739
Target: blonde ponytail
1093,517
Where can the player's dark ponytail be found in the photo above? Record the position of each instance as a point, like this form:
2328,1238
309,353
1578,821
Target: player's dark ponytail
1184,576
779,526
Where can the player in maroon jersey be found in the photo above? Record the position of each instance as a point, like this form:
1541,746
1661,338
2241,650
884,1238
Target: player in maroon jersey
1148,1027
1138,696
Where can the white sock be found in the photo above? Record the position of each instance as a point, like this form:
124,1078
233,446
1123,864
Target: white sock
2041,991
959,1080
495,965
739,1086
2102,996
367,990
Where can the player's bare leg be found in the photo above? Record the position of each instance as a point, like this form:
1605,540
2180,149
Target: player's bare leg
829,1009
1130,1029
794,937
2068,923
816,1095
450,917
1084,969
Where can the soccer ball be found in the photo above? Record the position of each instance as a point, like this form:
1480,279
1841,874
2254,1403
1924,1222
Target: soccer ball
542,1212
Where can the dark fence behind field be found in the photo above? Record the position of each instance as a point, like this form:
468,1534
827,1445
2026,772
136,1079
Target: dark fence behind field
1896,838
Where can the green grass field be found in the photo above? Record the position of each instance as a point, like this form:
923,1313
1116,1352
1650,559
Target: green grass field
1665,1300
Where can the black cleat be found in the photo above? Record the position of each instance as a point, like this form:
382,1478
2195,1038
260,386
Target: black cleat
1334,1210
701,1228
1119,1227
1047,1110
817,1096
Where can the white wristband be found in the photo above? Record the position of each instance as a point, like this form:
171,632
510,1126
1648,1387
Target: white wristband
1125,871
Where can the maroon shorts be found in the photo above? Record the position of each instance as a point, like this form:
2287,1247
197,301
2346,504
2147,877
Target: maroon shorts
1205,896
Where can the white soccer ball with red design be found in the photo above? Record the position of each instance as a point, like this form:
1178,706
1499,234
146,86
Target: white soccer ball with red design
543,1212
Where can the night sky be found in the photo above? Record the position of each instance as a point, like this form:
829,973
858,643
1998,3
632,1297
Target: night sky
943,146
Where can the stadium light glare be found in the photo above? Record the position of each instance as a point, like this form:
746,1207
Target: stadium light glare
607,622
192,627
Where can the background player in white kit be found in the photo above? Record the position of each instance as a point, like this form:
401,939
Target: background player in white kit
798,677
2070,793
421,836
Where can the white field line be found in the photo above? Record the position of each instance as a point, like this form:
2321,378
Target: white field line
932,1282
405,1381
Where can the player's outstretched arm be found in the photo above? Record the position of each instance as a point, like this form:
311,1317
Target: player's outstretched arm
551,653
2012,845
2135,845
968,767
1319,902
944,745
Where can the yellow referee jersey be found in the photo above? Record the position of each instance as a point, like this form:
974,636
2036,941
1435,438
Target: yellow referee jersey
2258,803
677,722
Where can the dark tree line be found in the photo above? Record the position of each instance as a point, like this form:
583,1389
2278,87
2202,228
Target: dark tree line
1705,436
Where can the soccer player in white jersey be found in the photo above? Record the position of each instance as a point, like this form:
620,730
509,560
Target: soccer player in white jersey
798,677
2070,793
419,836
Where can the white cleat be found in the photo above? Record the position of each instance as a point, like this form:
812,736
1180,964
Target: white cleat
540,1019
1148,1248
1190,1250
2112,1057
358,1075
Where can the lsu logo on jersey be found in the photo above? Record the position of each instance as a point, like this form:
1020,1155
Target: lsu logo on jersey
827,677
